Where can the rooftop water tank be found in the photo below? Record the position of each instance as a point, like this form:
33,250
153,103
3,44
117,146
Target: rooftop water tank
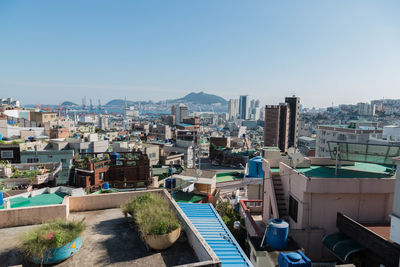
277,233
293,259
255,167
115,156
106,186
170,183
1,198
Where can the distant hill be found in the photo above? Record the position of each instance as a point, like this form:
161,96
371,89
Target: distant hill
202,98
69,104
119,102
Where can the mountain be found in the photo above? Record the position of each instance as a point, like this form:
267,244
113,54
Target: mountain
119,102
202,98
69,104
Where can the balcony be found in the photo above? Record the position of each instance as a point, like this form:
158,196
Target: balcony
251,212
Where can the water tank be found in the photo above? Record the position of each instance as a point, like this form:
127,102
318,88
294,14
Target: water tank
106,186
295,259
1,136
1,198
255,167
115,156
277,233
170,183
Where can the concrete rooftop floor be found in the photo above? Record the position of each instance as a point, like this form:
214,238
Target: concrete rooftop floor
109,239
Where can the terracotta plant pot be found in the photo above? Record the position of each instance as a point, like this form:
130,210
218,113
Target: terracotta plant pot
160,242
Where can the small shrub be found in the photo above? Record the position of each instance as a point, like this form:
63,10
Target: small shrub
152,214
54,234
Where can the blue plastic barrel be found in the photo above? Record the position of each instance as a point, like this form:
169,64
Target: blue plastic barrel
277,233
293,259
106,186
1,198
170,183
255,167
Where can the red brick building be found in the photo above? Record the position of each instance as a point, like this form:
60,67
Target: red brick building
131,170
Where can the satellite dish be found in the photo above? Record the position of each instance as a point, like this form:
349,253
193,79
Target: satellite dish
295,156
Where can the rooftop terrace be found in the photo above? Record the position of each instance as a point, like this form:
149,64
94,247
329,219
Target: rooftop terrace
39,200
109,240
358,170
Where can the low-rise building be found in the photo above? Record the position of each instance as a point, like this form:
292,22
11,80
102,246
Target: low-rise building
121,170
354,132
309,198
46,156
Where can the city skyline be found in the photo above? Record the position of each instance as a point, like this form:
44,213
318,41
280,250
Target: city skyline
53,52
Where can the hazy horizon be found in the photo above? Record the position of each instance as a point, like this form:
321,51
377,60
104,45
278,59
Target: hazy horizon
338,52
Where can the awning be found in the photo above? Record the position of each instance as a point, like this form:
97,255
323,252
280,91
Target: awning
341,245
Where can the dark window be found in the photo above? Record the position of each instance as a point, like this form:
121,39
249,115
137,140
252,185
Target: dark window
32,160
293,208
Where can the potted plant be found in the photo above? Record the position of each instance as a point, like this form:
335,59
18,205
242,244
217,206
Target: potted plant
156,221
53,242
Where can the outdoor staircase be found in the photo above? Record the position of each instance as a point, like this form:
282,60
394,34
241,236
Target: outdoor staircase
280,198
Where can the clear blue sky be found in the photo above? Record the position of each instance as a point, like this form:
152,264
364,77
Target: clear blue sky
323,51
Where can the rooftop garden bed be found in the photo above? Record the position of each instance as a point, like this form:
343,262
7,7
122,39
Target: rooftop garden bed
156,221
41,244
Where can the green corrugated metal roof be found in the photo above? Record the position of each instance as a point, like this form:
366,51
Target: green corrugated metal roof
341,245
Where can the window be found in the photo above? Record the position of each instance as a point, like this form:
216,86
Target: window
293,208
32,160
7,154
63,161
50,156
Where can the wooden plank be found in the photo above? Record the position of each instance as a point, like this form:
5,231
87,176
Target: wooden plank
388,251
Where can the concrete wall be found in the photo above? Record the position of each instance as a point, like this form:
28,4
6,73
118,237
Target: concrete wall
32,215
103,201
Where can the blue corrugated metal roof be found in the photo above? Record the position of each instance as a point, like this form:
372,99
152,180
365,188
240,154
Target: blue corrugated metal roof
184,124
210,225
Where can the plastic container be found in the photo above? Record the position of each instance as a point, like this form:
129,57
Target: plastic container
255,167
277,233
295,259
106,186
115,156
1,198
170,183
56,255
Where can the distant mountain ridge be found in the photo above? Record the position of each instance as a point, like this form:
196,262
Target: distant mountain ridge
203,98
200,98
69,103
119,102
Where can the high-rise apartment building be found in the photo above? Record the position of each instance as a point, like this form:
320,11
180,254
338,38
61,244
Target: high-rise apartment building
233,108
281,124
276,126
244,107
181,112
294,105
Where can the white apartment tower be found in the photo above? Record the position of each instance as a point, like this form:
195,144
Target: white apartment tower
233,108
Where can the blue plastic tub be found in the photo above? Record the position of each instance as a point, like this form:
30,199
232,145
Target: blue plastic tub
55,255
